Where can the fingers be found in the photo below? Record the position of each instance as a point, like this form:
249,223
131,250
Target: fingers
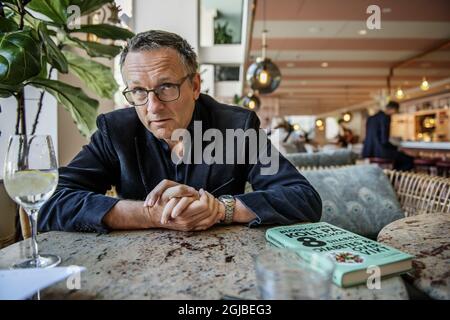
168,209
195,210
213,216
210,202
154,195
198,206
181,206
179,191
169,189
189,214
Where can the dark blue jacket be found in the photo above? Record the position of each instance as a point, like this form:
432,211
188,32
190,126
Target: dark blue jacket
376,144
123,153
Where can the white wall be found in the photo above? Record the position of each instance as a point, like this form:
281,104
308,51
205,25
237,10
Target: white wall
177,16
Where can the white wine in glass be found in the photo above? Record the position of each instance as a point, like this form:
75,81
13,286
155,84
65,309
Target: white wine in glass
31,177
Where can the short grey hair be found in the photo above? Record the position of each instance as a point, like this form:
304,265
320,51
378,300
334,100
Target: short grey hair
159,39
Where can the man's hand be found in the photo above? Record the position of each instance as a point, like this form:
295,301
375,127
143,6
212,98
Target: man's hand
198,215
159,213
167,190
177,207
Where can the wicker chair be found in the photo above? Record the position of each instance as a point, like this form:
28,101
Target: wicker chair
420,193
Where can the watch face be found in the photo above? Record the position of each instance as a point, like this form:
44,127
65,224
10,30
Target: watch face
226,197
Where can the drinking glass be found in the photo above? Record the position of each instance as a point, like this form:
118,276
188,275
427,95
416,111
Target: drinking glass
30,178
284,274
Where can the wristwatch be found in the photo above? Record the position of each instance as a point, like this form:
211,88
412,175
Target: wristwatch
229,202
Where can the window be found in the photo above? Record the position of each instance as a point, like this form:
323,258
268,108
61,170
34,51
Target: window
220,22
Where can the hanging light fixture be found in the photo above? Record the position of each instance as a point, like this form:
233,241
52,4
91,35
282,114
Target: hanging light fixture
251,101
424,85
347,117
320,124
399,94
263,75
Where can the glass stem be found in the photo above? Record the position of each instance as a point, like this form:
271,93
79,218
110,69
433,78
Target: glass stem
32,213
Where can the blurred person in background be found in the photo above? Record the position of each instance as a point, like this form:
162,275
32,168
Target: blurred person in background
377,144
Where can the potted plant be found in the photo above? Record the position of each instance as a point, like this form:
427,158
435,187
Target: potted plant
222,35
37,37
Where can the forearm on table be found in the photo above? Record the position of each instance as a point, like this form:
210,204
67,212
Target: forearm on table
128,214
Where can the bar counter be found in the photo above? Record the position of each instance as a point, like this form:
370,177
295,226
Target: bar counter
437,146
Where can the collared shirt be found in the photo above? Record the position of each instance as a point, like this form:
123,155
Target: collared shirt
176,171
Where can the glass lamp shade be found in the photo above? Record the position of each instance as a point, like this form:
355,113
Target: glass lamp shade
424,85
251,102
399,94
347,117
264,76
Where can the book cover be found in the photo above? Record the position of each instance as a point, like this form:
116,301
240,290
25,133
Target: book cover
353,254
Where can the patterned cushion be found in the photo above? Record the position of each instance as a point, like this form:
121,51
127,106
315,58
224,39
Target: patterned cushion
358,198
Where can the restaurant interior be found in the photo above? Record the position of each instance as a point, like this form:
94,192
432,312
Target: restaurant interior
319,74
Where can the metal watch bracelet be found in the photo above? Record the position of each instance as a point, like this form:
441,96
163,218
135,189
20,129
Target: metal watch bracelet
229,203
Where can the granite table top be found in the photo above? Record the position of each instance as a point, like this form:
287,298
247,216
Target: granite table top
427,237
164,264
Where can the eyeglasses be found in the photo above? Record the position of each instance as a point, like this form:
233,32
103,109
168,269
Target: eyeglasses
165,92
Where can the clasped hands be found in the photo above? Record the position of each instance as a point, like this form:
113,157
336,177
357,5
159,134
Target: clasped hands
180,207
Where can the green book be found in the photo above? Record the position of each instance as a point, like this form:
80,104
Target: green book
352,253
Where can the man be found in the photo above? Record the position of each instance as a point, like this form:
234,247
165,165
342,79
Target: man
377,145
133,150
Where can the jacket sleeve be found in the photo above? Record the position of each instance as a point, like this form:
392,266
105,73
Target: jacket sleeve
79,202
281,195
384,131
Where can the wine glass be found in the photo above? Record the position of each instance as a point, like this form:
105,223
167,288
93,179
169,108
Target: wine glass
30,178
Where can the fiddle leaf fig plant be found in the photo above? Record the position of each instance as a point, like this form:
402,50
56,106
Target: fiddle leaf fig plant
38,37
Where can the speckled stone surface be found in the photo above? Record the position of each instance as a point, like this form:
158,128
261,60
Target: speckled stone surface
163,264
427,237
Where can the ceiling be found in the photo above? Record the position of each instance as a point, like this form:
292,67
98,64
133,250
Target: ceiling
329,59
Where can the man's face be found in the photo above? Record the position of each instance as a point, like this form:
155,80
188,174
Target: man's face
150,69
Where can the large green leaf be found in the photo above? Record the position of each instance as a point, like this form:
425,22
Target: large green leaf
20,57
56,10
95,49
54,54
82,108
7,91
7,25
106,31
29,21
88,6
96,76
